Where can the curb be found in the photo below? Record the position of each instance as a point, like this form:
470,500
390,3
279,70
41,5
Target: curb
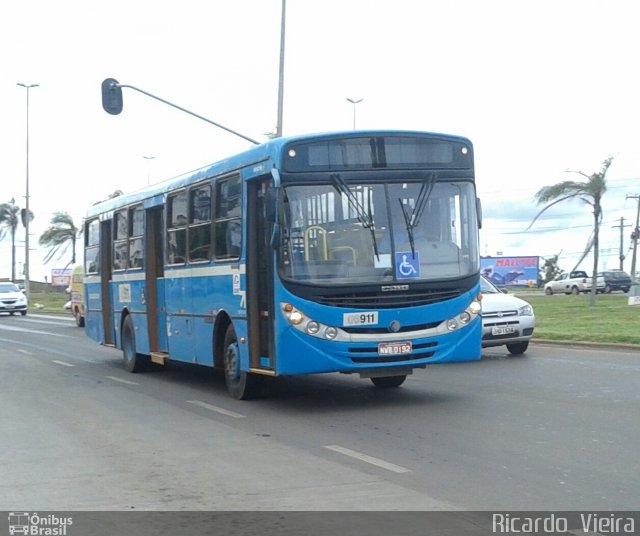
612,345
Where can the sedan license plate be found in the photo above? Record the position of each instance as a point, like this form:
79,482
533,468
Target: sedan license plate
502,330
394,348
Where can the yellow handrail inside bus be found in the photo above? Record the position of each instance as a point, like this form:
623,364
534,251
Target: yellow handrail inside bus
307,237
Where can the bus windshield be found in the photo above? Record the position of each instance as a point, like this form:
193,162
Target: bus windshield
356,233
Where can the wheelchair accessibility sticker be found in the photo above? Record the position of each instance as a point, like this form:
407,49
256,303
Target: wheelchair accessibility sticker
407,265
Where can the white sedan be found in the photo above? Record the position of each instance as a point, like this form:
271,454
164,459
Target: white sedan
505,319
12,299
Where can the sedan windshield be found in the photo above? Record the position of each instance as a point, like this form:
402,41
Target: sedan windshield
6,288
369,233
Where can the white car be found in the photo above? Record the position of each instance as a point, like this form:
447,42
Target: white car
506,320
12,299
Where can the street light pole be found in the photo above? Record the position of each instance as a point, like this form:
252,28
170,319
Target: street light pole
149,159
27,212
354,102
635,234
281,72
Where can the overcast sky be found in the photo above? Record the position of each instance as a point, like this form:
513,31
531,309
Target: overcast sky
539,87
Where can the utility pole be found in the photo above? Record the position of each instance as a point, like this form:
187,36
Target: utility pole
635,235
621,227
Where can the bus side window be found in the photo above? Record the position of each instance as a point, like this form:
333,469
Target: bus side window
228,218
120,244
136,222
92,242
200,223
177,228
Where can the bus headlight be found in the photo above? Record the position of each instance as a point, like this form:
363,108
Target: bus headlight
464,318
330,332
296,318
306,325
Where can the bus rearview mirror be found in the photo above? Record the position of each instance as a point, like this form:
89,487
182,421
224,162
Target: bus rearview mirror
111,96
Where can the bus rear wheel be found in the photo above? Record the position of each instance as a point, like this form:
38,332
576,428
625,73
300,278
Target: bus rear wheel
241,385
389,381
133,361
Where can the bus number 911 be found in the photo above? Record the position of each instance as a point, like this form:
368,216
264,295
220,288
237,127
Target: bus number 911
369,318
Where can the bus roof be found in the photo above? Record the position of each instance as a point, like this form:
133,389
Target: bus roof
269,152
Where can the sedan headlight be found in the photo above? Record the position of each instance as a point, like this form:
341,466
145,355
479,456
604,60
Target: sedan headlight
525,310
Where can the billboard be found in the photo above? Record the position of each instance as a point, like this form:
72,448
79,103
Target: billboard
512,271
61,277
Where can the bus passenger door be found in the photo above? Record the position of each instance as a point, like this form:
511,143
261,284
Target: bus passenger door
154,280
260,308
106,248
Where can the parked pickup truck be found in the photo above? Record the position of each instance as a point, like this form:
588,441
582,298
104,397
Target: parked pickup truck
573,283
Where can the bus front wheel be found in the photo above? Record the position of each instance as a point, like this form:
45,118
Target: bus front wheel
241,385
389,381
133,361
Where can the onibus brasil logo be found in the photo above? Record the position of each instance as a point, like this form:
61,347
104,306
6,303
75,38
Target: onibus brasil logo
38,525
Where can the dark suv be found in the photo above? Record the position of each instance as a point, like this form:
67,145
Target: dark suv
616,280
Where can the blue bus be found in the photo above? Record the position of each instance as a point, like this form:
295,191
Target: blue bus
353,252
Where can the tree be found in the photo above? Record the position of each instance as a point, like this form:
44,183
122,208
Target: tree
9,221
59,236
589,191
549,271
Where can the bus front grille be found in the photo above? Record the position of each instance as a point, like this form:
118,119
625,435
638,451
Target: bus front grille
386,300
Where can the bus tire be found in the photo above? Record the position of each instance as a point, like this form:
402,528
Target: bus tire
133,361
241,385
388,381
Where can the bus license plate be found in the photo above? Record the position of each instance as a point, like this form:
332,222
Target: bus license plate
502,330
394,348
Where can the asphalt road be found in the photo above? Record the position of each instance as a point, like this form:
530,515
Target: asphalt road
556,429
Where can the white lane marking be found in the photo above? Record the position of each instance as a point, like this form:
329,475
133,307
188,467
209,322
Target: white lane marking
50,320
211,407
24,351
18,329
368,459
127,382
63,363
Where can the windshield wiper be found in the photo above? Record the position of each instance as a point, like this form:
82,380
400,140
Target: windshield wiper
411,220
409,228
364,217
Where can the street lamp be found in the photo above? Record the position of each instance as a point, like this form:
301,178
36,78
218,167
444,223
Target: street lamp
27,213
149,159
354,102
281,70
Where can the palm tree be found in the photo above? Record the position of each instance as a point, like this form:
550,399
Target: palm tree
590,192
9,220
59,235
